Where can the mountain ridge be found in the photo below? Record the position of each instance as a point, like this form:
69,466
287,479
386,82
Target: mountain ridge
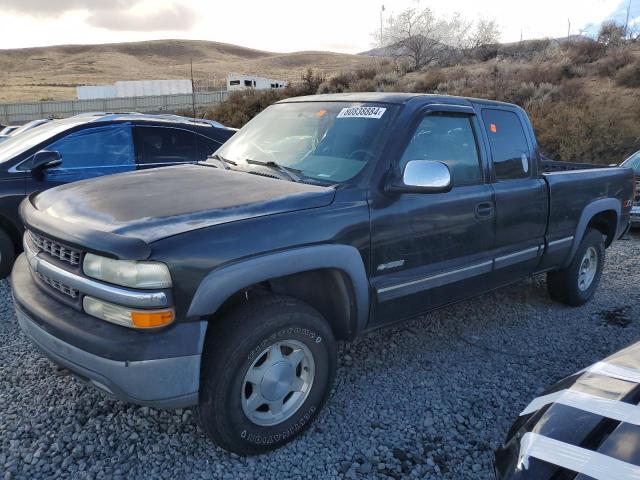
53,72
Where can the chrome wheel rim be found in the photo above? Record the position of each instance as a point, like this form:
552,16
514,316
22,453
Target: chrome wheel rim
588,268
277,383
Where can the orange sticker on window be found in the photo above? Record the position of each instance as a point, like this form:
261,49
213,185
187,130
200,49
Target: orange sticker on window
493,128
321,113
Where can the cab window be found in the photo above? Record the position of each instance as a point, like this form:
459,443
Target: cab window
447,138
509,147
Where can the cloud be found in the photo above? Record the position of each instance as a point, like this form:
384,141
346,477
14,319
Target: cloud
56,8
173,17
117,15
619,16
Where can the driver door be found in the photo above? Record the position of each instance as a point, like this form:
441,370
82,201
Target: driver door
430,249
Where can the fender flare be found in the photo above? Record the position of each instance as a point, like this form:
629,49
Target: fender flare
590,211
219,284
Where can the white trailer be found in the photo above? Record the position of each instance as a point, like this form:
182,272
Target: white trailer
136,88
244,82
146,88
93,92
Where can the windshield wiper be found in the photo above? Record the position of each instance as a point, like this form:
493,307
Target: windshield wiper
223,161
291,173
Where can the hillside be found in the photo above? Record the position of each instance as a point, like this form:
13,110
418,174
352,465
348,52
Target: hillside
54,72
583,97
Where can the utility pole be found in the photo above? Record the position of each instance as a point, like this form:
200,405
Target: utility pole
626,23
193,92
381,24
569,29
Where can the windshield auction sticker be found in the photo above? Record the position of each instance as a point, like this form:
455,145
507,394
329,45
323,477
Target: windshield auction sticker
362,112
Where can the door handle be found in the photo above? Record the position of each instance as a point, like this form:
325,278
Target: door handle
485,210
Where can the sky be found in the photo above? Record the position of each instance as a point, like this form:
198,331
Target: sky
282,25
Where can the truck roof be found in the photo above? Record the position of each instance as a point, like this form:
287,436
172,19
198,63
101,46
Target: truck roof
391,97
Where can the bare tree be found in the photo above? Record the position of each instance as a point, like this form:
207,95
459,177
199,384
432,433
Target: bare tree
484,32
415,34
612,34
311,81
424,39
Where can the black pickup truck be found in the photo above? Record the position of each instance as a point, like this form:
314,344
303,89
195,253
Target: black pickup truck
225,285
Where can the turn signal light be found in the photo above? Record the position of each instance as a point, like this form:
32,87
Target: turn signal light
151,319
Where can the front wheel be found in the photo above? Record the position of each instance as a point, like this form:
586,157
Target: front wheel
576,284
267,370
7,254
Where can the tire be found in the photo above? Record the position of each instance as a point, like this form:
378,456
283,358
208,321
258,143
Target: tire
243,346
576,284
7,254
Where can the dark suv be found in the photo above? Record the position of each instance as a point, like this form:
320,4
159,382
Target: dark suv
88,146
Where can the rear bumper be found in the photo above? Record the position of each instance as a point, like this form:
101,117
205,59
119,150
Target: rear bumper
146,377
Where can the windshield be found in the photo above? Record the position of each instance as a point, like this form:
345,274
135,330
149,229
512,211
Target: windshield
16,145
633,161
326,141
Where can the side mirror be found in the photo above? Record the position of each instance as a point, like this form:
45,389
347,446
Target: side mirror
422,176
45,159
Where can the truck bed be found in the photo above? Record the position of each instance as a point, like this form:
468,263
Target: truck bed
571,189
549,165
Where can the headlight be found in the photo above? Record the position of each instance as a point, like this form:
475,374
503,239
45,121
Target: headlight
125,316
126,272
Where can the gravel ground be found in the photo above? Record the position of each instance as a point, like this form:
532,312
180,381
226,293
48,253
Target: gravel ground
430,398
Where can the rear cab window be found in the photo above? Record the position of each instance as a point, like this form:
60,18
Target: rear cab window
509,147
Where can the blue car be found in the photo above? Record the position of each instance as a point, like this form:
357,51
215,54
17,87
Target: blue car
88,146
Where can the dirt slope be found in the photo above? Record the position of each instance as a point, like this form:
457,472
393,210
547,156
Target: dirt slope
54,72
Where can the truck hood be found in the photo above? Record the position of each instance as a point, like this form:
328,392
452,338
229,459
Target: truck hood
157,203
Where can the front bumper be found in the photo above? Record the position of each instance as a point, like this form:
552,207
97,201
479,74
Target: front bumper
635,216
160,369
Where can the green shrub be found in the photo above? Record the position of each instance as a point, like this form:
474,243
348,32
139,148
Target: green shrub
240,107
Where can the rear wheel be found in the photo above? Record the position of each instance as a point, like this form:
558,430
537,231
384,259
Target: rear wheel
7,254
267,370
576,284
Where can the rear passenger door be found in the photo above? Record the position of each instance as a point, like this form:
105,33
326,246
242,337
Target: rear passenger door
159,146
520,195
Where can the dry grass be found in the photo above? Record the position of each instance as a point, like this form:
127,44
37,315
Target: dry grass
54,72
583,100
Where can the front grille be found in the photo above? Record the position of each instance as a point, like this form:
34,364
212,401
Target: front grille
637,197
71,292
55,249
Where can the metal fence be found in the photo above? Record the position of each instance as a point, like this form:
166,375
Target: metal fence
17,113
